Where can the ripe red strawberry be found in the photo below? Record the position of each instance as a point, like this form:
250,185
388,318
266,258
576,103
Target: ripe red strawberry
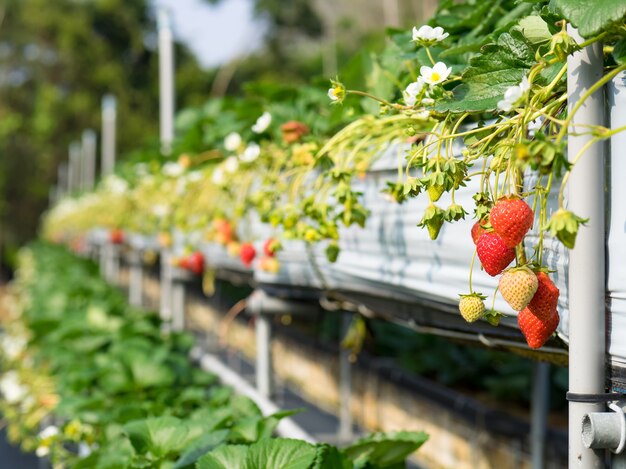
511,218
247,254
546,298
493,253
477,231
116,236
196,262
518,286
472,307
270,247
183,262
535,330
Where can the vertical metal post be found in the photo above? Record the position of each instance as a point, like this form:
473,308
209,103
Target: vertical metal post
62,179
178,305
88,150
264,370
109,117
587,260
539,413
113,263
165,308
166,81
74,171
391,12
135,280
345,433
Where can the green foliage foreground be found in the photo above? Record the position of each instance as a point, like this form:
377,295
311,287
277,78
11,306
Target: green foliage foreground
113,391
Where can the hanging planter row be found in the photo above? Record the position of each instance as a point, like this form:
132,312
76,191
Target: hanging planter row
462,131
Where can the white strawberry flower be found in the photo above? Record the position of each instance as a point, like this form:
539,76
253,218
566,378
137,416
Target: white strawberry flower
262,123
232,141
46,437
218,176
427,35
11,387
412,90
195,176
436,74
514,95
12,346
251,153
231,164
160,210
172,169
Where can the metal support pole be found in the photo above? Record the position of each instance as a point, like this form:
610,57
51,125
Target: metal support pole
88,150
113,264
539,413
586,261
165,308
345,433
135,281
166,81
264,370
109,117
74,167
178,305
62,179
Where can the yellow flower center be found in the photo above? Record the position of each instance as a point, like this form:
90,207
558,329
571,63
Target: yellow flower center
435,76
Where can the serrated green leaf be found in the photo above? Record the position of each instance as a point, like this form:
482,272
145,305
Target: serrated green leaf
385,449
619,52
280,453
500,66
591,17
224,457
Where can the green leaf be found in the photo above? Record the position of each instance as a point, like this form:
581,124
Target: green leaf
591,17
385,449
159,436
500,66
201,446
619,52
535,29
329,457
280,453
224,457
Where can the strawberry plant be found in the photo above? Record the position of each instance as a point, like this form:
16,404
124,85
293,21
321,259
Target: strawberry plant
112,390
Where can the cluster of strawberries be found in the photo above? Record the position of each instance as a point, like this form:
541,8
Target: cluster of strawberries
193,262
268,261
531,293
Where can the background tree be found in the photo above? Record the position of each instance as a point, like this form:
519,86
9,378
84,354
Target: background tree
57,59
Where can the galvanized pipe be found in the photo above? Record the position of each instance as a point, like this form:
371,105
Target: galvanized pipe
178,305
539,413
165,308
587,260
88,151
135,280
346,424
166,81
286,428
263,329
109,118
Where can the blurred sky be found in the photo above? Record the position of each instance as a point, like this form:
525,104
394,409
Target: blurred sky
215,33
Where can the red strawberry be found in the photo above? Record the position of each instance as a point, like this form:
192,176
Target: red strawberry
183,262
546,298
518,286
196,262
493,253
537,331
270,247
511,218
477,231
247,254
116,236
